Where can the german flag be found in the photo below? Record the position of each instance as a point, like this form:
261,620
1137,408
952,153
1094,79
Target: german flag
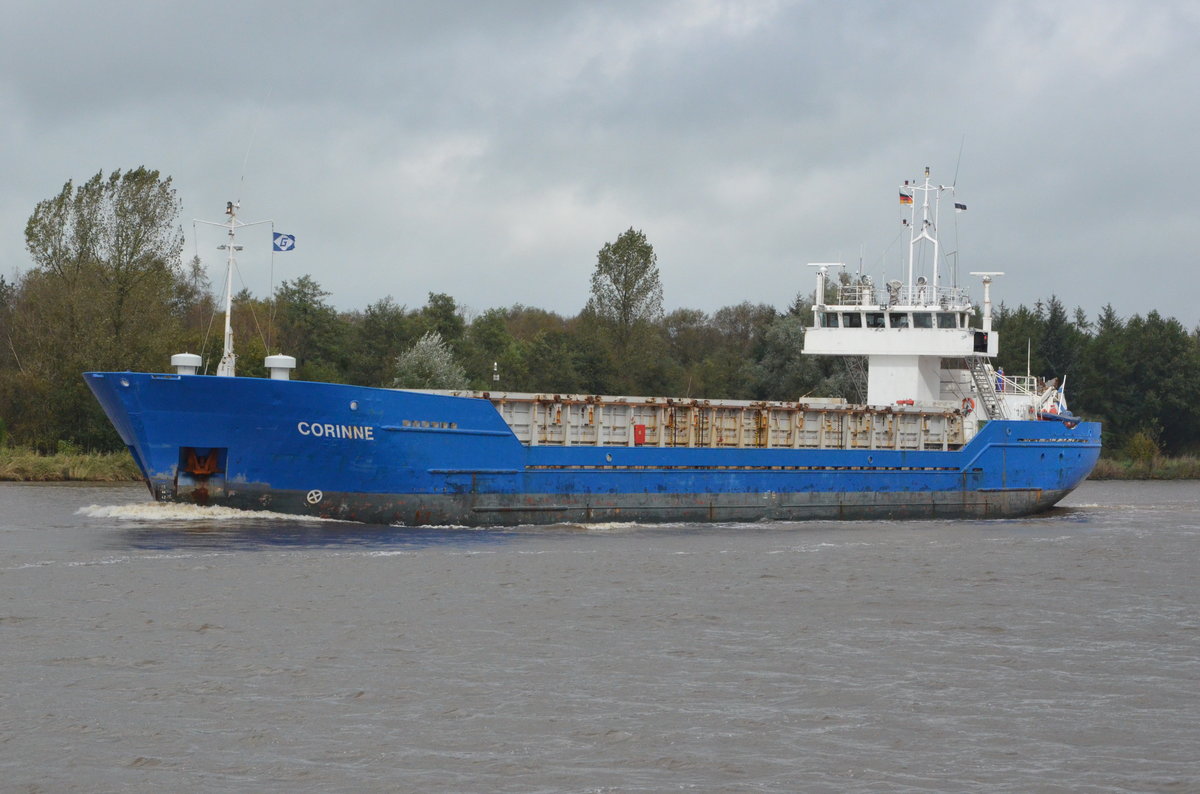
905,198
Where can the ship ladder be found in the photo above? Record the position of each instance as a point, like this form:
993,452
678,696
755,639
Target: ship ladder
985,386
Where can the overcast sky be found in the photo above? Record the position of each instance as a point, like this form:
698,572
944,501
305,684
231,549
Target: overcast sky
489,149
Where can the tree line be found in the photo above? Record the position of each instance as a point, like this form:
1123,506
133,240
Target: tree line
1139,376
107,290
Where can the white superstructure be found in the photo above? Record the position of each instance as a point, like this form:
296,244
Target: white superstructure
917,335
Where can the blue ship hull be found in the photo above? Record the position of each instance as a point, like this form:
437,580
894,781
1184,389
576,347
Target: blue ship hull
408,458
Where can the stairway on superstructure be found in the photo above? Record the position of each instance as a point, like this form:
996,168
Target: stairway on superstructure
985,387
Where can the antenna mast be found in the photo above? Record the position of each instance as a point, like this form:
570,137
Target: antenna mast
928,225
228,363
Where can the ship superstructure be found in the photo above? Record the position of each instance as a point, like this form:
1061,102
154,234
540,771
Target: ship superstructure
918,335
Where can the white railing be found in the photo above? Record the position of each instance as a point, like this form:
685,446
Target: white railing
921,295
926,295
857,295
1017,384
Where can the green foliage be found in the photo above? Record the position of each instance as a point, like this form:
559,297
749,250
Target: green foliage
626,291
1141,448
1166,373
26,465
108,247
732,365
441,316
1061,343
1103,382
105,273
554,362
429,364
1137,377
1186,467
376,337
782,367
106,290
192,305
65,447
308,328
528,366
489,349
1020,332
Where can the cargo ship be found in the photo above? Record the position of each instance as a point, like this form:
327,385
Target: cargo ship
934,432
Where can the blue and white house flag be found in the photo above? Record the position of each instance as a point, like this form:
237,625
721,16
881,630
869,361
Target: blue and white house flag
284,242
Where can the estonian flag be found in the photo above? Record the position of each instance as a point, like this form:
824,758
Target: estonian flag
905,198
960,207
284,242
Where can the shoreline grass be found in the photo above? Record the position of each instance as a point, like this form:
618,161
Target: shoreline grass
25,465
1158,468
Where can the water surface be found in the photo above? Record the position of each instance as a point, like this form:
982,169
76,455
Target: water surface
149,647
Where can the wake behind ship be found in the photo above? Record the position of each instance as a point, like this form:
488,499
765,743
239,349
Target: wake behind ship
941,433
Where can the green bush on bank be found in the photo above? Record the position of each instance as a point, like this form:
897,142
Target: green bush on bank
1152,468
69,463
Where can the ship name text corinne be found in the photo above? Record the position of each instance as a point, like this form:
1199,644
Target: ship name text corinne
327,430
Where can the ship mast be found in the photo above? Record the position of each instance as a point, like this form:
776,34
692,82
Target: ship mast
926,230
228,365
228,357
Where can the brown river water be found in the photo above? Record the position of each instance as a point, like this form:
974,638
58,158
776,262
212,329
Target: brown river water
150,648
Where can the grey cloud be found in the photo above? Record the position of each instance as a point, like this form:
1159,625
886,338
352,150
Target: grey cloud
488,150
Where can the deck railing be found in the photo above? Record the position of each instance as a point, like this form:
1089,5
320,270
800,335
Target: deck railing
920,295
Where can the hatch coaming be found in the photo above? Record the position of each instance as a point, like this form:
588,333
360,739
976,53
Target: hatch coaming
605,421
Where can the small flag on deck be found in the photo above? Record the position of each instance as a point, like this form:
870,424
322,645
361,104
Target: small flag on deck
905,198
284,242
960,207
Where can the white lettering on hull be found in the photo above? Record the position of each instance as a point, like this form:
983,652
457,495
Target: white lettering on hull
326,430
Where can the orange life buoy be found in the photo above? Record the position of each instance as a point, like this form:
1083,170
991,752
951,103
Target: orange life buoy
968,405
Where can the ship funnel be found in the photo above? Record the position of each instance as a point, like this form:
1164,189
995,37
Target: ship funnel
186,363
280,367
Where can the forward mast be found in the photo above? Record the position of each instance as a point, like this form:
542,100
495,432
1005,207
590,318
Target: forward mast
279,366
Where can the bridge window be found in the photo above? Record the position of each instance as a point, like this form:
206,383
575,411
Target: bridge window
922,320
875,320
829,320
947,320
898,320
852,320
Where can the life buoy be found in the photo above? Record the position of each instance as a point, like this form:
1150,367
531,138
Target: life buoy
968,405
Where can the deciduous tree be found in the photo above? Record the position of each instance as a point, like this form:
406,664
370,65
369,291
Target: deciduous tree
626,290
100,294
